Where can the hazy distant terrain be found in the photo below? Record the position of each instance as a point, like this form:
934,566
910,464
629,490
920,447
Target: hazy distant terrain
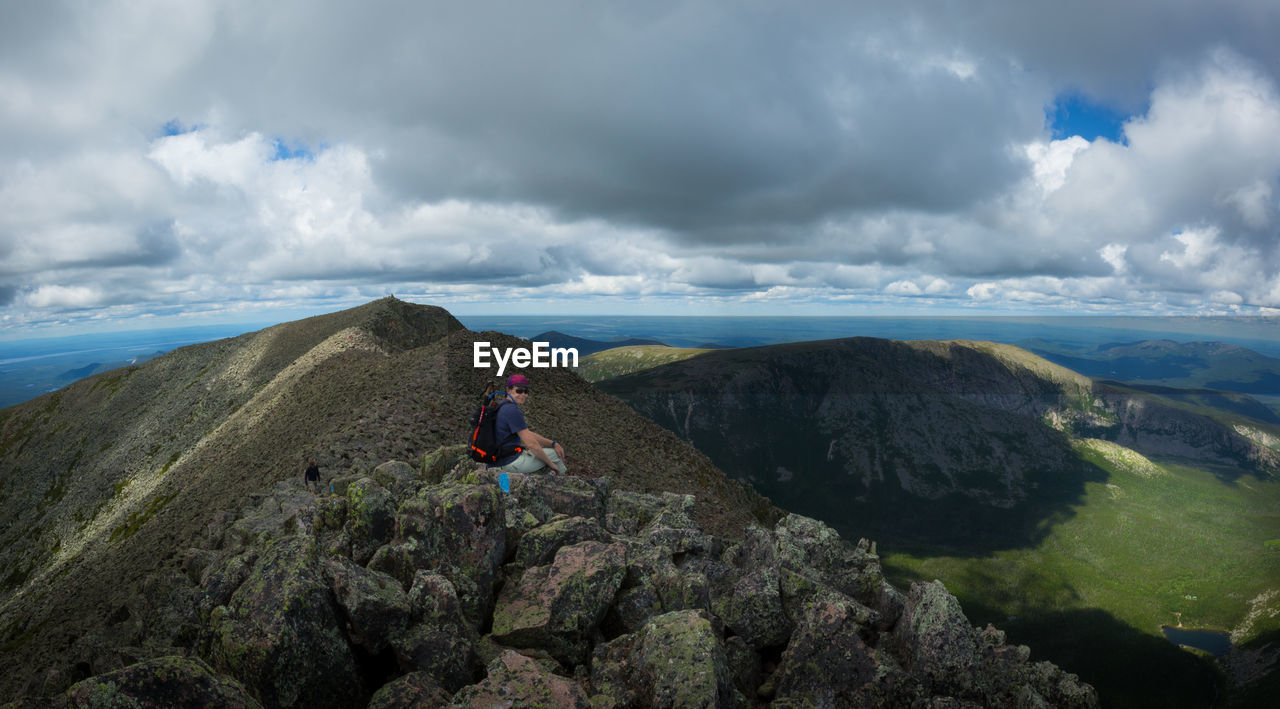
29,368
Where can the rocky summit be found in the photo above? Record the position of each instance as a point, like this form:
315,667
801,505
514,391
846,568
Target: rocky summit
429,586
159,550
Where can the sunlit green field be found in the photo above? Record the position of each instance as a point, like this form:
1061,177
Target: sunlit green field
1153,545
628,360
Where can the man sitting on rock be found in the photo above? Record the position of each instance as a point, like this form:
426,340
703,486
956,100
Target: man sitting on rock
539,451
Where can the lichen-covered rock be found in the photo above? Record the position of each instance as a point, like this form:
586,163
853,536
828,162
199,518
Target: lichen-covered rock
221,581
804,543
436,463
676,660
557,607
936,641
827,663
416,690
442,651
370,518
753,609
631,609
629,512
395,475
1059,688
675,588
547,495
434,598
161,683
539,546
518,681
440,642
374,604
462,526
673,527
281,636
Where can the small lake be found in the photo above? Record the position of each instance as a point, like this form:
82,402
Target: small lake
1214,642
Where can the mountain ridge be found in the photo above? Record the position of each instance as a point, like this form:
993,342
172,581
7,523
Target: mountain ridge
150,464
138,497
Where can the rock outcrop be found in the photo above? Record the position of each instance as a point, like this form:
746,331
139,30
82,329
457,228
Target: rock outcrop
407,591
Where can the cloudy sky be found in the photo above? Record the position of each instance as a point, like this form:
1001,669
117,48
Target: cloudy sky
237,159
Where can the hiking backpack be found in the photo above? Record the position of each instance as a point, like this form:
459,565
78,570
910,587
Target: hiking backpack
485,446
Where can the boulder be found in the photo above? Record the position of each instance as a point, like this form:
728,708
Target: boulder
281,635
160,684
629,512
676,660
558,607
440,651
828,664
440,461
416,690
221,582
440,642
548,495
370,518
936,641
538,546
805,544
396,475
518,681
674,529
373,603
753,609
457,528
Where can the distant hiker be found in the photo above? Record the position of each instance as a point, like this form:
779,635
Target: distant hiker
312,477
539,452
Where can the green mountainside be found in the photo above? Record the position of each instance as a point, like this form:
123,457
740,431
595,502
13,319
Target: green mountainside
617,361
1079,515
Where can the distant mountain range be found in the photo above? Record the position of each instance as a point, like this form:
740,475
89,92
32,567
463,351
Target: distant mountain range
1197,365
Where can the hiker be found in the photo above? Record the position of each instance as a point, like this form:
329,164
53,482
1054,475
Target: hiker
312,477
539,451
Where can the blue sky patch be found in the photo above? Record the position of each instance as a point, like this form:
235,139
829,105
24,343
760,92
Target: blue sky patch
292,150
1075,114
175,127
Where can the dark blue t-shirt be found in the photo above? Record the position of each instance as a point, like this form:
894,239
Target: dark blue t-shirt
509,422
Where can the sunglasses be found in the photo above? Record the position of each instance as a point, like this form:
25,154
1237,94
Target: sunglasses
520,390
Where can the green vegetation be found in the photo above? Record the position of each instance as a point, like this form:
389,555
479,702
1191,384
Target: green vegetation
141,517
1140,551
172,459
111,381
628,360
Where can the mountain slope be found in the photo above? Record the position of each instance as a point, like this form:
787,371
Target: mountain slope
973,436
108,481
1078,515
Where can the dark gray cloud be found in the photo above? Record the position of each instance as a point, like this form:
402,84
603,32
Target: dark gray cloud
663,150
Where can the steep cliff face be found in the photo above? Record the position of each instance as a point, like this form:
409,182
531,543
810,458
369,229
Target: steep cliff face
954,443
106,482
